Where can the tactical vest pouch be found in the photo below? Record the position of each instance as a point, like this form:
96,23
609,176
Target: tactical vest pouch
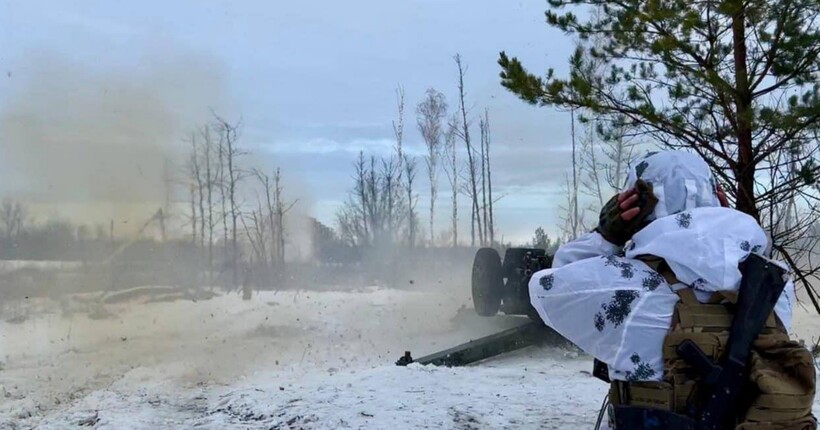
783,373
807,423
781,376
649,394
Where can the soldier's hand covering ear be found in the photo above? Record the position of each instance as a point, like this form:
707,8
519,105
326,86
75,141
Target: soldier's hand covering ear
624,214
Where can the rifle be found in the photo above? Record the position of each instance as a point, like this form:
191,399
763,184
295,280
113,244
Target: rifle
720,385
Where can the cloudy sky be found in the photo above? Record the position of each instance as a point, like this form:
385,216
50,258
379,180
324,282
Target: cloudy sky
313,81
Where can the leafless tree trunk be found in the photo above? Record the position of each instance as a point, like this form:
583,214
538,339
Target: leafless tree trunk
410,171
199,182
570,224
267,216
572,221
591,168
230,135
207,149
398,128
394,181
429,115
452,172
193,214
465,136
277,208
604,159
483,127
487,140
353,217
280,218
618,150
366,218
366,212
790,215
257,233
168,185
222,194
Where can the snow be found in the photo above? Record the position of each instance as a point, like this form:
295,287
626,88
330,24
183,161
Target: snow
286,360
8,266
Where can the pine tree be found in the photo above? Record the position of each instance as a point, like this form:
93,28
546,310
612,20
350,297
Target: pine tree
735,81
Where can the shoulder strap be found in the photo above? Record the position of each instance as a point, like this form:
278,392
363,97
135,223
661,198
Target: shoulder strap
720,296
687,296
660,266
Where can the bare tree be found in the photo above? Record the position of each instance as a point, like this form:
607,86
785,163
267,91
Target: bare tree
393,182
412,218
168,181
573,219
13,216
489,219
257,233
430,113
266,253
352,217
398,127
452,172
590,168
223,192
267,220
195,172
192,190
486,179
203,174
230,135
483,175
619,151
464,134
208,148
276,210
604,159
277,215
374,209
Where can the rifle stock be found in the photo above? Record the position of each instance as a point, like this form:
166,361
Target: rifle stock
760,287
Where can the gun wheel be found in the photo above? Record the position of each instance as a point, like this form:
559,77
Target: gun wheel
487,282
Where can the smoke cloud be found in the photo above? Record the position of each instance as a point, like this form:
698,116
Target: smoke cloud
76,139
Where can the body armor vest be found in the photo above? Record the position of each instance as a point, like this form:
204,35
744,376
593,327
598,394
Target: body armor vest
781,384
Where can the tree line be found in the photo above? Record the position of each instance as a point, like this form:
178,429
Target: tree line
381,208
249,232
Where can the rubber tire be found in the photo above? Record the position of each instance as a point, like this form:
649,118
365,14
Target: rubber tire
487,282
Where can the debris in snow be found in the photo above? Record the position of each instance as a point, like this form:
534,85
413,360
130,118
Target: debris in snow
89,421
168,377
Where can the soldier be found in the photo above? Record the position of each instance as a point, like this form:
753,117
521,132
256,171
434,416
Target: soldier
665,255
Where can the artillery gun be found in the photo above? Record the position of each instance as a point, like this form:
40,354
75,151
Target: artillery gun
499,286
503,285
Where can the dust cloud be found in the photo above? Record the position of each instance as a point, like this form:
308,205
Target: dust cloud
90,146
93,144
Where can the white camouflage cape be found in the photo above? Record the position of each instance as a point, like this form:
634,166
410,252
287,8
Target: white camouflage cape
617,308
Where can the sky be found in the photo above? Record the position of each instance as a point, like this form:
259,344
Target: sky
312,81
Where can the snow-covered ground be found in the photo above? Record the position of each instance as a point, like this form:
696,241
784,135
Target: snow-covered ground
286,360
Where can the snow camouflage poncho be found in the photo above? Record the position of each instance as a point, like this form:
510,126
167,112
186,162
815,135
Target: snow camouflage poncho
617,308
